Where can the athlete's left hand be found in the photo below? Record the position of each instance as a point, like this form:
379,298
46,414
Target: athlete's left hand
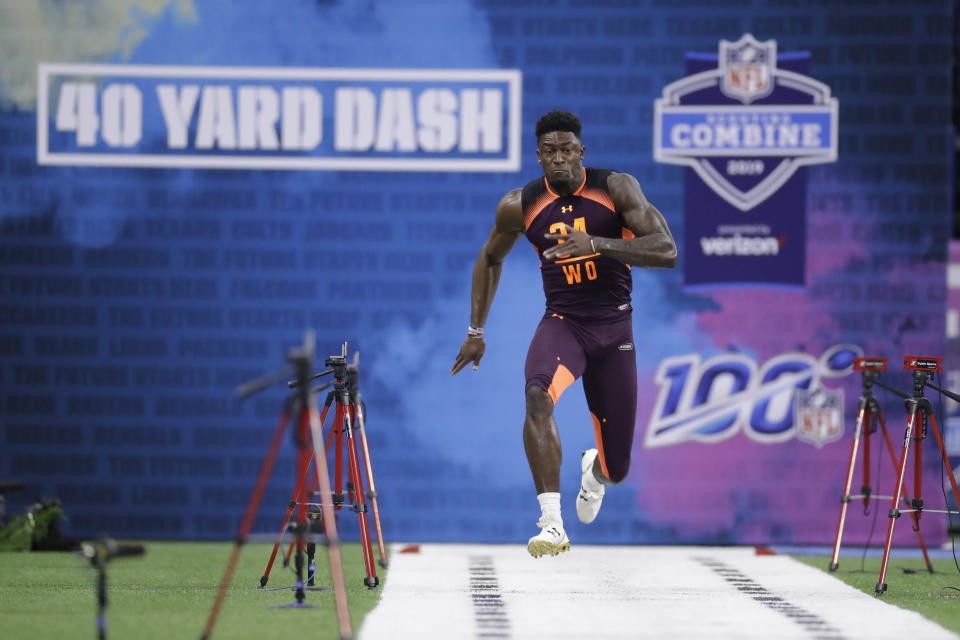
572,243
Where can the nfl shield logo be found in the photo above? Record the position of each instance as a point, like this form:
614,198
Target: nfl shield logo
746,68
818,415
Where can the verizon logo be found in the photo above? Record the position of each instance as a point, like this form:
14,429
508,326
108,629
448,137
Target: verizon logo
738,245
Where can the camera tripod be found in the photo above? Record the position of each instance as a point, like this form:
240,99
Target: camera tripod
348,411
301,407
919,416
869,408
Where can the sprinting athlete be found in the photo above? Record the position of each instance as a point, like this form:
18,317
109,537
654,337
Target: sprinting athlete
588,226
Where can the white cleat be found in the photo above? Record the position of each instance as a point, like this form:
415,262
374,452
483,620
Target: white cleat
588,502
551,540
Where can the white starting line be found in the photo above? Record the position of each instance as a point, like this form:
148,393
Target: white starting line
498,592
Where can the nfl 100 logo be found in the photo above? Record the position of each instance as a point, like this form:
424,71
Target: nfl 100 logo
745,120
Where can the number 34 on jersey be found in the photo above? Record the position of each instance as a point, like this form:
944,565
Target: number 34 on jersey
576,271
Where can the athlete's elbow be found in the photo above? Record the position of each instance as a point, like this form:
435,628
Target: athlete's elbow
669,257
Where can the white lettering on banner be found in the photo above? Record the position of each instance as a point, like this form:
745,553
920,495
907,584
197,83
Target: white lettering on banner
236,117
360,124
395,126
785,136
122,115
740,246
480,122
257,112
215,122
355,114
77,111
177,109
436,110
302,118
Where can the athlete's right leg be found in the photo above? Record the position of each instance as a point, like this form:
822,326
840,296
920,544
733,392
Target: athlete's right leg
554,360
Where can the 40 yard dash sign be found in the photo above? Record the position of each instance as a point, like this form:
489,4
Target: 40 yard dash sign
279,118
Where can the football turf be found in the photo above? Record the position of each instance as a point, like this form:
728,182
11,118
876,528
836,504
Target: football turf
168,593
909,584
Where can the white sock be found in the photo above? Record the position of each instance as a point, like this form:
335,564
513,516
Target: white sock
590,482
550,506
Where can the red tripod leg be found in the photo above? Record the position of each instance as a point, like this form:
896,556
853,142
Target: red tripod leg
906,490
246,523
894,512
863,417
372,494
283,528
330,529
360,505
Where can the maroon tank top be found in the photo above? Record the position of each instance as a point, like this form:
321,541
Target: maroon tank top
593,287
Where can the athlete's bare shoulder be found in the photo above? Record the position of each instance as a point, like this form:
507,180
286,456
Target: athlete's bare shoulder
509,218
626,192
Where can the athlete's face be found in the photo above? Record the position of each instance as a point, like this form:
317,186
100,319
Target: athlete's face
561,156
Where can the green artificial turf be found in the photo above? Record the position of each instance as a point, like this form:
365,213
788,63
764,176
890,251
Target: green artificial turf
168,593
909,584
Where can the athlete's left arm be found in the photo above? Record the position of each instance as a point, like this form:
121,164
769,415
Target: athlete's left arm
652,244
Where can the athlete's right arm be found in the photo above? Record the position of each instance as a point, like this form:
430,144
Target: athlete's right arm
507,228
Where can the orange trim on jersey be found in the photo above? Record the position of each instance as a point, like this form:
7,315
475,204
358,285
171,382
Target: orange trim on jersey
562,378
627,234
537,206
575,193
599,196
592,255
598,435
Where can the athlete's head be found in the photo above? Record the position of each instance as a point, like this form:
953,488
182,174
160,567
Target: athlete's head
558,147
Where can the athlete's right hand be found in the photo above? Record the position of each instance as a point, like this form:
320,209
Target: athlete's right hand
470,351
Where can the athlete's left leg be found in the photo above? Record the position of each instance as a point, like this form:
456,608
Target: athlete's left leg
610,386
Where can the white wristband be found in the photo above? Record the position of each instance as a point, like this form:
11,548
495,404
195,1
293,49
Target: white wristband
592,246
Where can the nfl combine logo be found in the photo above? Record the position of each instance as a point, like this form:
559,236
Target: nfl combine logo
745,121
774,139
818,415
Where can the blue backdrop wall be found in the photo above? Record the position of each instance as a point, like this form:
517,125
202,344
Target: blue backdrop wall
137,292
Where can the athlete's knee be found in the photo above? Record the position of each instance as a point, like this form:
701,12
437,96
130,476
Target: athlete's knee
539,402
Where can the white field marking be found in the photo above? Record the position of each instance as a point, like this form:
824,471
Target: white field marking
619,592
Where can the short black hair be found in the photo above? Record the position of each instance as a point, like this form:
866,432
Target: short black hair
558,120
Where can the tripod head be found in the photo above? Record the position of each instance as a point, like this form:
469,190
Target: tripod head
338,367
338,364
102,550
923,370
869,369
